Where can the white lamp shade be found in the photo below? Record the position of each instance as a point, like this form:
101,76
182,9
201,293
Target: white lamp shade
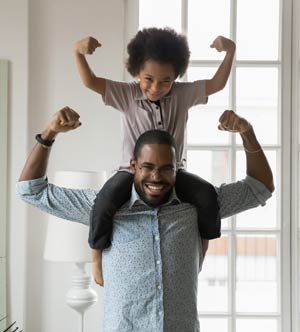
67,241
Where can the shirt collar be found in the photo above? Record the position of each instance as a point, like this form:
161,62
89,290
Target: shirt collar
135,199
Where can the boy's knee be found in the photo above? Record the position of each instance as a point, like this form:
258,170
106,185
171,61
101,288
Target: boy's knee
207,197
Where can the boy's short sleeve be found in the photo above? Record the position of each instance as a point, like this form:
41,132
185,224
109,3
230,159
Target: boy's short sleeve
119,95
191,93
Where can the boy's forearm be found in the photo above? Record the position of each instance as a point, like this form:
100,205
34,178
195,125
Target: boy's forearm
221,76
223,72
85,72
89,79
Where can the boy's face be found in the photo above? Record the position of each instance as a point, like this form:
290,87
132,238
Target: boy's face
155,173
156,79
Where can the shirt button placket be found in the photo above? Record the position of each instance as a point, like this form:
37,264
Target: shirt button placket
157,115
159,122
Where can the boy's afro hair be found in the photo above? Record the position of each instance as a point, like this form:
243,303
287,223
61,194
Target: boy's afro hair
163,45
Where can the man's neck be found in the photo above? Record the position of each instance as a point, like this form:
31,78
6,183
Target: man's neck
137,196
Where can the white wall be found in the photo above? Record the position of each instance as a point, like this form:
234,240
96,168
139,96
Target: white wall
14,47
37,37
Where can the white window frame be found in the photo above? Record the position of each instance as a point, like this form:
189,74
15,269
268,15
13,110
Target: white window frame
295,169
284,304
288,150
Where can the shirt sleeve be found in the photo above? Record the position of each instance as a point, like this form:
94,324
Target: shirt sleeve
119,95
65,203
241,196
191,93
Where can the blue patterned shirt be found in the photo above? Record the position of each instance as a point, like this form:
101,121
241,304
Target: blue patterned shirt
151,269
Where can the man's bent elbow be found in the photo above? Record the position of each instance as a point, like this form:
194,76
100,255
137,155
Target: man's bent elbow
270,185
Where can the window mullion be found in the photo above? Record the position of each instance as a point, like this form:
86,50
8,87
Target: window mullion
286,140
232,105
295,234
184,17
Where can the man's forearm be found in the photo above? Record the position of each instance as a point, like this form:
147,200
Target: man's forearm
37,161
257,164
36,164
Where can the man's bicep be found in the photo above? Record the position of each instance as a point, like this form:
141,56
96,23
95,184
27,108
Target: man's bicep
71,204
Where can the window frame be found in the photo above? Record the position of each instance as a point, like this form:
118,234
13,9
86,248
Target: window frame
295,169
287,149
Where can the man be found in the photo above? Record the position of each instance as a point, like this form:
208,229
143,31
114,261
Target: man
151,269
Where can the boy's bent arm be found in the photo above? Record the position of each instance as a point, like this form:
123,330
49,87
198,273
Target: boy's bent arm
90,80
220,78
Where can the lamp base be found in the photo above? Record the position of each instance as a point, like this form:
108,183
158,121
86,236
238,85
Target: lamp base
81,296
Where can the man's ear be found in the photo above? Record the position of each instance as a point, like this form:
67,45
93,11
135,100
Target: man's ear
133,165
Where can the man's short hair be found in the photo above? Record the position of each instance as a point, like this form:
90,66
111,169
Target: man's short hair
154,136
163,45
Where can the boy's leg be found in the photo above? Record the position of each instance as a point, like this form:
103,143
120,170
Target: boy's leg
193,189
97,266
115,192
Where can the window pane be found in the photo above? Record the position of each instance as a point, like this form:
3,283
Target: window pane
207,20
257,101
257,273
153,14
213,279
213,325
262,217
203,121
257,29
250,325
203,126
218,100
213,166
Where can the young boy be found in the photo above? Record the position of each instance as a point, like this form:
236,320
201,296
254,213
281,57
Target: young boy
157,57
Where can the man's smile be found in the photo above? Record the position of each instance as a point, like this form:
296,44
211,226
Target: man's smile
155,188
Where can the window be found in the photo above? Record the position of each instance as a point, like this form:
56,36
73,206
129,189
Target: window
245,282
242,267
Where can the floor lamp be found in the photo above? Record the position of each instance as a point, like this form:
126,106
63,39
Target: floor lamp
67,242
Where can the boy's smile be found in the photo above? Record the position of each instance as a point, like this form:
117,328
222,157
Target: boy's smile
156,79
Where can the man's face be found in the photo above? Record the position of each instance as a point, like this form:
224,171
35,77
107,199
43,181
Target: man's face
155,173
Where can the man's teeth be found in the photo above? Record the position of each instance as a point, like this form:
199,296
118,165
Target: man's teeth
152,187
